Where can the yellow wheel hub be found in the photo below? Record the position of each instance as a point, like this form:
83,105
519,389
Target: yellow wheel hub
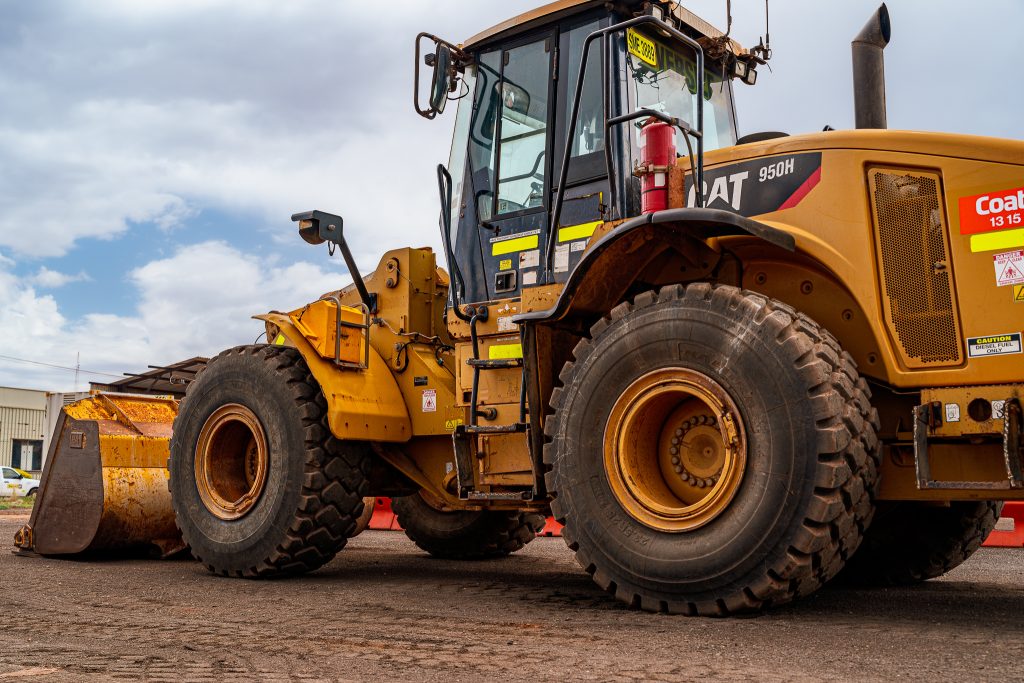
674,449
231,462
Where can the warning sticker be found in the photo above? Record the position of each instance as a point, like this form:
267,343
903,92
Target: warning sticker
430,401
578,246
505,264
1018,294
561,258
1009,268
998,409
996,345
505,324
529,259
529,278
952,412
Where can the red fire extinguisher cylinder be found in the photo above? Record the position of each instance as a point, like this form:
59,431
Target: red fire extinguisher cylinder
657,153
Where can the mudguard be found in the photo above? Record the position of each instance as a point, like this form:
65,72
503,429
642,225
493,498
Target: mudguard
362,405
622,250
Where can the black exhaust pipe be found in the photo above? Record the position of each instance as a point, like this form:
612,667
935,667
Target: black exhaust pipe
869,70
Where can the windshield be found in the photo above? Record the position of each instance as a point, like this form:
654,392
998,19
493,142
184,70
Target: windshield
664,79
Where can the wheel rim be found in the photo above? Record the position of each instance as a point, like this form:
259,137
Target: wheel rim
231,462
674,449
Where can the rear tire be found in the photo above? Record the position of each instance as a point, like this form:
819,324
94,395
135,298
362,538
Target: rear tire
31,492
805,490
274,495
465,535
911,542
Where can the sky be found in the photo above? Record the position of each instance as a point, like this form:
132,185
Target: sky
152,152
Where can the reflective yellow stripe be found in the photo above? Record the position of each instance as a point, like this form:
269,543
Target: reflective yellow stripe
280,340
991,241
512,246
505,351
577,232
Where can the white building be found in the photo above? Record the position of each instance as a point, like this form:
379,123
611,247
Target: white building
22,428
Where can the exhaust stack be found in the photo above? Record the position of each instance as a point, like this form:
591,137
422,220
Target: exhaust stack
869,70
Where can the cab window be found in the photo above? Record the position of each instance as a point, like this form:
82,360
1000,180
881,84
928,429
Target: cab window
509,131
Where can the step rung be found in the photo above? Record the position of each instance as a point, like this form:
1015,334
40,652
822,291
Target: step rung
499,364
500,495
496,429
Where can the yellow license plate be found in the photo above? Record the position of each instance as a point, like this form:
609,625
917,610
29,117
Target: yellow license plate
642,48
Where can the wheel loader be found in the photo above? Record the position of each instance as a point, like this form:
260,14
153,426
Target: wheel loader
733,367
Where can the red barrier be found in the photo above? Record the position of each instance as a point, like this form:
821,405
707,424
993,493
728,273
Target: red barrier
1009,532
384,519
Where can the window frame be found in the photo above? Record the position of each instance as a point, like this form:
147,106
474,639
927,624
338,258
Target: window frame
552,36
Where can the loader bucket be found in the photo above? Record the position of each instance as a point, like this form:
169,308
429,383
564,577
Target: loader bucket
104,485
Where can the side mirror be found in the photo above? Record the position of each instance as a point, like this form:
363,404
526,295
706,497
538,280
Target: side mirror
441,83
445,62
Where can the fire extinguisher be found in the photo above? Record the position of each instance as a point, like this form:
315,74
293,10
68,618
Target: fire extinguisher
657,153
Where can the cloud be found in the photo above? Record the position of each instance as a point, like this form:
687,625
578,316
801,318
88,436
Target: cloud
52,279
196,302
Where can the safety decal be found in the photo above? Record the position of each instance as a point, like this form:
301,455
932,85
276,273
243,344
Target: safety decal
952,412
430,401
995,345
1009,268
561,258
576,232
994,220
505,264
753,188
505,324
1018,294
529,278
998,409
505,351
450,425
529,259
510,244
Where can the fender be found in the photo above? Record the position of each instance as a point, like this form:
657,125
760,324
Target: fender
362,405
621,250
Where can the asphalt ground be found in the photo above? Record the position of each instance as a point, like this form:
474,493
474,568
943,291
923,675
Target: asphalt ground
385,610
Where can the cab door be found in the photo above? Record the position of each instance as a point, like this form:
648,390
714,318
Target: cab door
504,215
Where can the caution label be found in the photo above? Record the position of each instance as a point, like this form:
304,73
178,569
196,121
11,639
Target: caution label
1018,294
996,345
429,400
1009,268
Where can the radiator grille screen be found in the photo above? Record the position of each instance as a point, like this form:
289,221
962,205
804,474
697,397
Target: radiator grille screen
917,277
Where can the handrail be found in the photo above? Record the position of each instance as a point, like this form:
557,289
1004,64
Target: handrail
698,134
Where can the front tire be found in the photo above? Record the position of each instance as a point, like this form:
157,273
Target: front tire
259,486
762,490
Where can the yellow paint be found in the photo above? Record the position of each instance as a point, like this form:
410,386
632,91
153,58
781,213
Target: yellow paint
362,405
577,232
993,241
505,351
514,245
506,264
642,48
1018,294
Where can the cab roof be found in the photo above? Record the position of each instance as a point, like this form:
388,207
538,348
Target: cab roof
560,8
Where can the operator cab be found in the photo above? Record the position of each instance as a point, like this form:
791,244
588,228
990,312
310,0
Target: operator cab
516,87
